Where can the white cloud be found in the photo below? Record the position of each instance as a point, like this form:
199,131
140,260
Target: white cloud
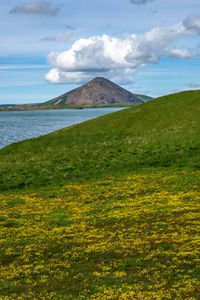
181,53
55,75
140,2
192,24
58,76
36,8
116,58
98,53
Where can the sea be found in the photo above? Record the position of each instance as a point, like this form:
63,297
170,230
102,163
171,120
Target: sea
21,125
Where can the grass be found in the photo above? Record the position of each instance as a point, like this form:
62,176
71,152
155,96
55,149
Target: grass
101,241
161,134
108,209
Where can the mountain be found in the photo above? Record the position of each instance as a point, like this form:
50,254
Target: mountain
161,134
99,91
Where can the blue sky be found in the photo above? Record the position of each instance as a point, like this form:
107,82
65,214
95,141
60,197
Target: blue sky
112,38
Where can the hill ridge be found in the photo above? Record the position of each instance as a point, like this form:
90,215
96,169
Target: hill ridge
160,134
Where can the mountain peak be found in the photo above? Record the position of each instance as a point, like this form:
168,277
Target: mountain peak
99,78
96,79
98,91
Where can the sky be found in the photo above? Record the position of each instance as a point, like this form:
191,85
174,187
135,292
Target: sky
49,47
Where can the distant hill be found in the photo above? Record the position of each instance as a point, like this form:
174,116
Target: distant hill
99,91
144,98
7,105
162,133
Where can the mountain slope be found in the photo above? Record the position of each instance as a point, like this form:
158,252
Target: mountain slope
99,91
162,133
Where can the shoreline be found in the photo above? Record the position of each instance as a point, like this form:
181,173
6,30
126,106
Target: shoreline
48,107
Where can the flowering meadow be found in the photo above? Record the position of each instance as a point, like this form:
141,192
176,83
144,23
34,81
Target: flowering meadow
105,210
134,236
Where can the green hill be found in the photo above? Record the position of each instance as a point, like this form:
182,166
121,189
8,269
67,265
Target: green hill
159,134
108,209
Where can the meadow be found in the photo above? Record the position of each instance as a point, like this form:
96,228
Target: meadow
108,209
127,237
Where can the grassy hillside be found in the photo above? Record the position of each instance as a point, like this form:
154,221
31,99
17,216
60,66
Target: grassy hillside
128,228
162,133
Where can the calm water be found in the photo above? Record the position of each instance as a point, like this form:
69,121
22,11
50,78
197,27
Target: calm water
20,125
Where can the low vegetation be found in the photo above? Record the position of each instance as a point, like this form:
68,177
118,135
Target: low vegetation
127,237
161,134
108,209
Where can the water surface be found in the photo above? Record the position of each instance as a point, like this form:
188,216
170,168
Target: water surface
21,125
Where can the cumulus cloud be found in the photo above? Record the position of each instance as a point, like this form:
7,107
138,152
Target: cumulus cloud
58,76
140,2
116,58
181,53
192,24
36,8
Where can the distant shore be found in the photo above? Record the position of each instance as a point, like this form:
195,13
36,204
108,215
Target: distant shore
41,107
